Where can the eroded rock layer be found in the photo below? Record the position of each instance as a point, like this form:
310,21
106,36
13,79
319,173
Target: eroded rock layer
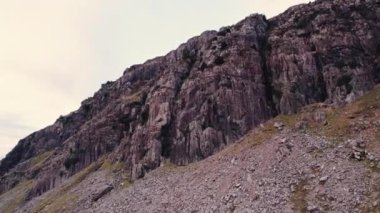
212,90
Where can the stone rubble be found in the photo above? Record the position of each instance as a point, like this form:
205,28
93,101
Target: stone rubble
206,95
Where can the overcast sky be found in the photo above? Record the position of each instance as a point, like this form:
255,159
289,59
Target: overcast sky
55,53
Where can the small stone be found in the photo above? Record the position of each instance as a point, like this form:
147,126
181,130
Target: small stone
102,192
249,178
255,197
340,177
278,125
359,152
361,144
370,157
358,155
238,185
233,160
301,125
312,208
289,146
251,169
292,188
311,149
358,149
283,140
323,179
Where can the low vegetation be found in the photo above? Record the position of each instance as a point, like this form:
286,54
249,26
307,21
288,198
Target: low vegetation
299,197
133,98
126,183
112,167
259,135
15,197
38,162
41,158
61,200
171,167
340,121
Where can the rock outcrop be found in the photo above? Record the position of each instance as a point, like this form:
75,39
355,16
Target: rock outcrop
212,90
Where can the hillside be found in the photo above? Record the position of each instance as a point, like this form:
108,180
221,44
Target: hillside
322,159
262,115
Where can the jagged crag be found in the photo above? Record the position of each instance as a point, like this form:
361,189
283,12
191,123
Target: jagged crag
212,90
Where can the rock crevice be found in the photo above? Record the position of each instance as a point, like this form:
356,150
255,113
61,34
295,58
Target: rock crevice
212,90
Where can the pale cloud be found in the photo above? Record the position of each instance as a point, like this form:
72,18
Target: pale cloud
55,53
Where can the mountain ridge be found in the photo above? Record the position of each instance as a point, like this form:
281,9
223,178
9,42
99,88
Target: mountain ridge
211,91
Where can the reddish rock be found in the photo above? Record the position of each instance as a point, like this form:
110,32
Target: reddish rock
212,90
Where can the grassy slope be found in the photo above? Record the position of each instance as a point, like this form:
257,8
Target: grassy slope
16,196
62,200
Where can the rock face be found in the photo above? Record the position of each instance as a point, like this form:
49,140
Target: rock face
324,51
212,90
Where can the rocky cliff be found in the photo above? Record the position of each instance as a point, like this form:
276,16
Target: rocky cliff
191,103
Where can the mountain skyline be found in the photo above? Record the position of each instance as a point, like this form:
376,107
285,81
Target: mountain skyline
276,114
56,54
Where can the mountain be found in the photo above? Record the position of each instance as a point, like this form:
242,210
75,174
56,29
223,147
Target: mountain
304,68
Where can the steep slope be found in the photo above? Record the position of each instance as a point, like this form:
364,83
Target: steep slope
208,93
331,163
323,159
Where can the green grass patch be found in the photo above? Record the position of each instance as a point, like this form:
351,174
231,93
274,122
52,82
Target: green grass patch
299,197
339,119
338,126
126,183
61,200
61,204
170,167
133,98
38,161
256,137
288,120
367,102
112,167
15,197
41,158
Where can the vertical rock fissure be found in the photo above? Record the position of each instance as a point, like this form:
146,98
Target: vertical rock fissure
321,80
168,130
267,74
165,140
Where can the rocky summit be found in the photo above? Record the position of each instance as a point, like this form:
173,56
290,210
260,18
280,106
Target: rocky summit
268,115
